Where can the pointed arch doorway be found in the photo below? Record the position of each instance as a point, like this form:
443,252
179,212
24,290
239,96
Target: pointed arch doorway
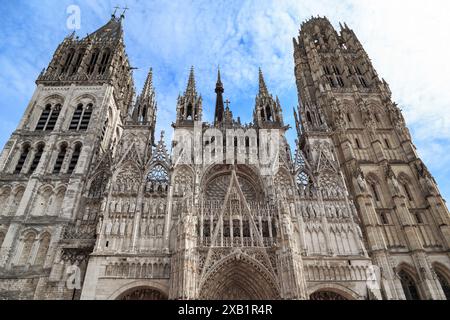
239,279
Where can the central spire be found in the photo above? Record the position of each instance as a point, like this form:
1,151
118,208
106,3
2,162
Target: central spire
218,118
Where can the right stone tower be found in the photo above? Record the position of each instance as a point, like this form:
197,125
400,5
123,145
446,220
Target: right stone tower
403,217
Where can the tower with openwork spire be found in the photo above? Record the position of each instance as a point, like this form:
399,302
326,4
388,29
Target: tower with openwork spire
404,218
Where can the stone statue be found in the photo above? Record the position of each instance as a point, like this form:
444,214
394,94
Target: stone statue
361,181
99,225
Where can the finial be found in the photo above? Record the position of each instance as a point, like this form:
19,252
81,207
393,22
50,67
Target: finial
122,16
191,81
115,11
218,75
262,84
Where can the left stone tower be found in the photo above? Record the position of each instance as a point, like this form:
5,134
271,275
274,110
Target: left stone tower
50,189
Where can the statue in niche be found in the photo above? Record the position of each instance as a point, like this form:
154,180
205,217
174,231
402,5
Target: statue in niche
123,225
115,229
361,181
392,179
108,227
426,179
129,228
99,225
143,227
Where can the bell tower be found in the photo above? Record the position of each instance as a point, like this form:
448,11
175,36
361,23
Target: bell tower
341,95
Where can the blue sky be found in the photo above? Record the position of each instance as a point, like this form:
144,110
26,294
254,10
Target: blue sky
407,41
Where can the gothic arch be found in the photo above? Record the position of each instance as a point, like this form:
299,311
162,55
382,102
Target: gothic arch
250,181
410,281
43,246
239,276
84,99
98,183
6,193
53,98
137,285
17,194
42,200
408,186
335,289
443,276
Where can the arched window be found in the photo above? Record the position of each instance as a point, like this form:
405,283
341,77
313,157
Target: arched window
48,118
158,174
326,295
93,61
68,61
373,187
74,160
78,62
189,115
409,286
407,191
43,249
444,284
349,117
302,180
363,82
44,118
22,158
60,158
104,61
53,118
383,218
268,113
28,242
81,117
16,201
308,117
37,157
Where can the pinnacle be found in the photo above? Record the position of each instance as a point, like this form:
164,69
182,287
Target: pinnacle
262,85
148,86
191,82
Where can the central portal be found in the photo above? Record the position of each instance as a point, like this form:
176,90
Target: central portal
238,280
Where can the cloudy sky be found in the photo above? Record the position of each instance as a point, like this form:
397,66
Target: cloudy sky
407,40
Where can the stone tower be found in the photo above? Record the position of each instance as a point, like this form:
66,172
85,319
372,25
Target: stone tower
404,219
50,176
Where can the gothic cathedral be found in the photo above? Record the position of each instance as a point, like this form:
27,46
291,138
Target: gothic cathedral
94,206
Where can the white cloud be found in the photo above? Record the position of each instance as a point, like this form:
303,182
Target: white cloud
407,41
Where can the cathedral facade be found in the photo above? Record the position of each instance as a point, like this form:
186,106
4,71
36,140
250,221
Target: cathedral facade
96,207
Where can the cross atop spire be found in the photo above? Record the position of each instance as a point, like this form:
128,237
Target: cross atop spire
262,85
115,11
122,16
